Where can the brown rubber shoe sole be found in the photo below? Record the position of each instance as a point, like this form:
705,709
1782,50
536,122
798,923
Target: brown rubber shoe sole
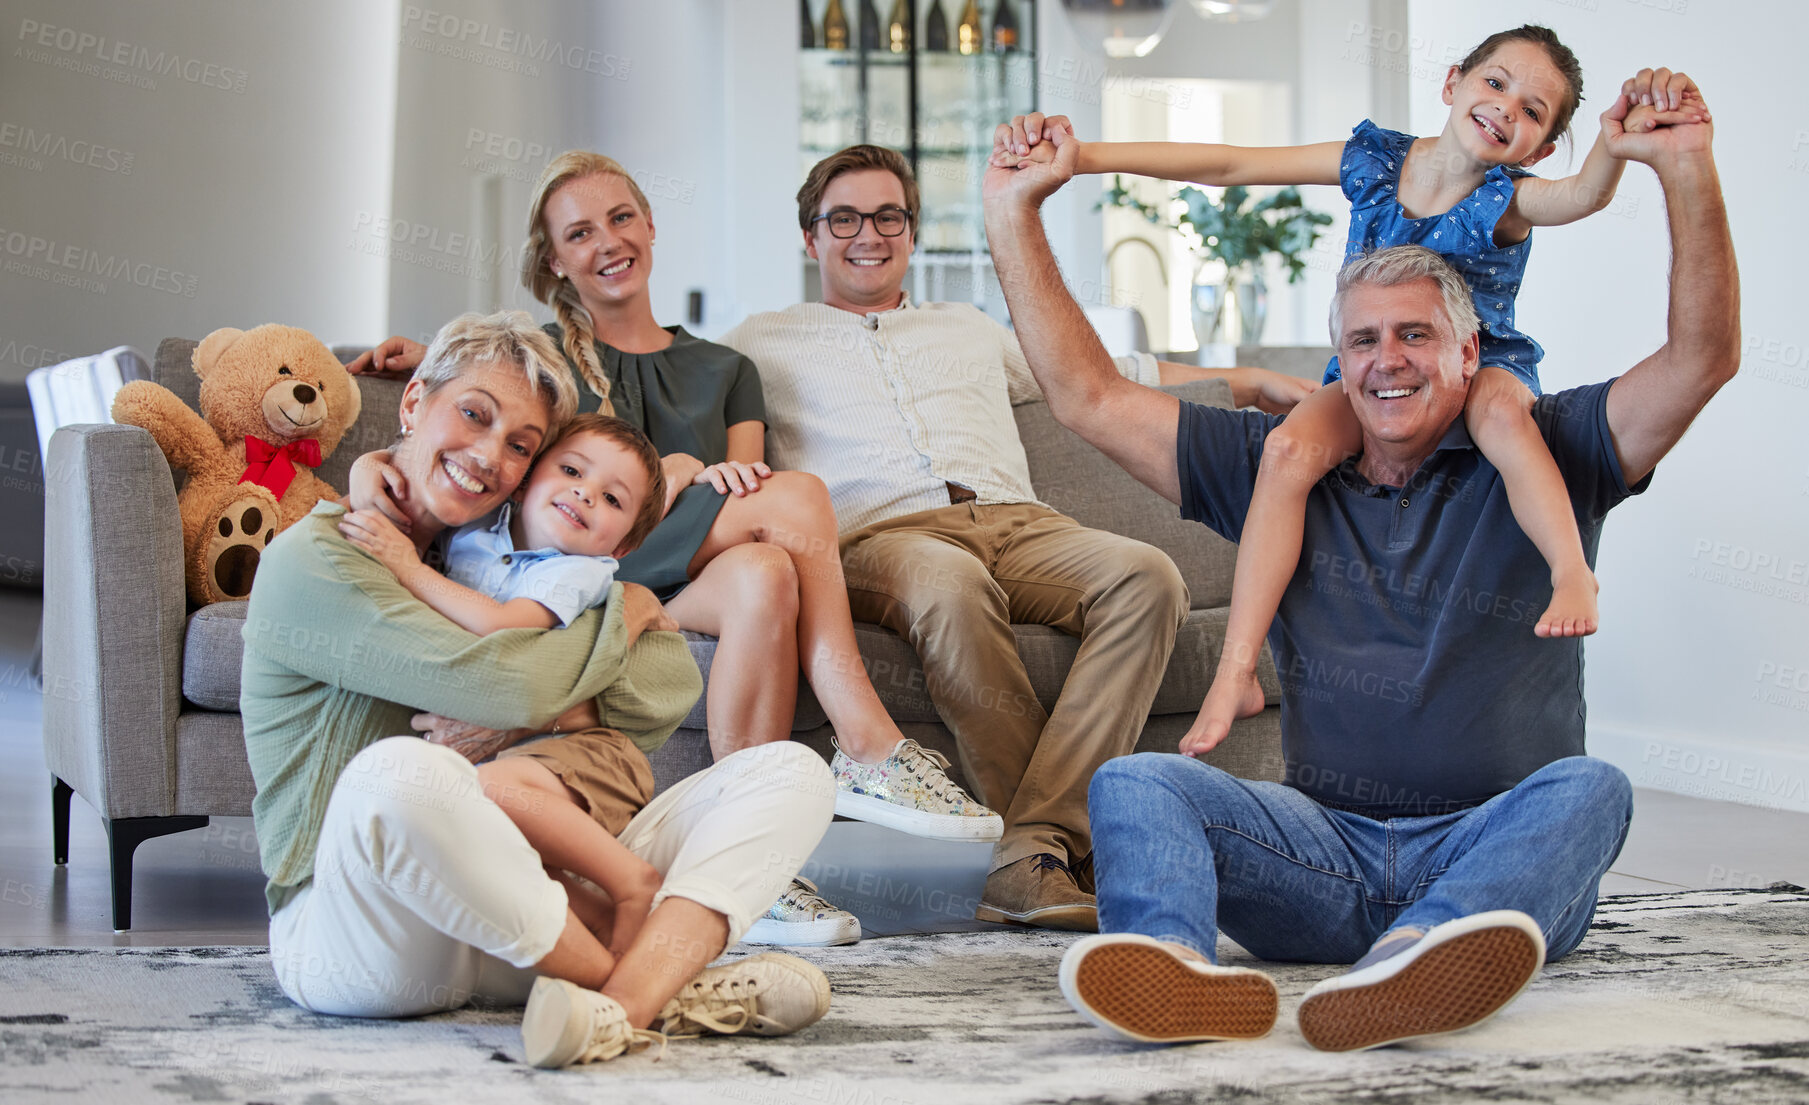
1457,984
1140,989
1073,917
1043,894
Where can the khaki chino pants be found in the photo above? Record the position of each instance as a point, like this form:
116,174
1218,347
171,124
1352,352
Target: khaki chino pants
953,580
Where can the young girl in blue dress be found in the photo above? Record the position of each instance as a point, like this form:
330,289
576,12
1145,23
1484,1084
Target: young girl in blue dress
1465,194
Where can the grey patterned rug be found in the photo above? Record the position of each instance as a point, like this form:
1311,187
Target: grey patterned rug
1693,997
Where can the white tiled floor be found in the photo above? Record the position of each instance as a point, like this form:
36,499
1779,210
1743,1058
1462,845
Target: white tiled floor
204,887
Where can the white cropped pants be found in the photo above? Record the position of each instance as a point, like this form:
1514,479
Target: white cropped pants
425,893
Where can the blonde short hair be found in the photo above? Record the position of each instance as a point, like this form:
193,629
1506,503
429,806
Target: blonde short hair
507,337
1386,268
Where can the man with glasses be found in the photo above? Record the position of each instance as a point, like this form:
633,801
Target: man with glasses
904,411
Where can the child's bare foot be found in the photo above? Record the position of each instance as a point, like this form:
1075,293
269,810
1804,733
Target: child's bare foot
1572,612
1234,694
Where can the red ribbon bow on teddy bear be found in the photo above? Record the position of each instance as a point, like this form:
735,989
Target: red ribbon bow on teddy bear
273,466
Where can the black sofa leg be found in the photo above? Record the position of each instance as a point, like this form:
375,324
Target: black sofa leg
124,835
60,794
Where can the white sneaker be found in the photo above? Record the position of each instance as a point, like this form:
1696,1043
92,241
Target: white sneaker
1457,975
910,791
1142,989
566,1024
802,918
763,995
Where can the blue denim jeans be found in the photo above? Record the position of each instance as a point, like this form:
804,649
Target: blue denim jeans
1183,850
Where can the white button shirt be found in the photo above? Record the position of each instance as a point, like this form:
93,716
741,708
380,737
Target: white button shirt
890,407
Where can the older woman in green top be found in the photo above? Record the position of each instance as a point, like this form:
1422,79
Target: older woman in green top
396,887
746,554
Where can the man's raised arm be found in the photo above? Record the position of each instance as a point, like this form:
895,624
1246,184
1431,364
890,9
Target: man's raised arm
1651,406
1132,424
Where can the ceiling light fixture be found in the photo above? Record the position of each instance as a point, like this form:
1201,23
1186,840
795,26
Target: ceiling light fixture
1123,28
1232,11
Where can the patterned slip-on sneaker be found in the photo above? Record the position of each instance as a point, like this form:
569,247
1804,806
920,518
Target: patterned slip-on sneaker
1037,890
910,791
802,918
763,995
1145,990
1457,975
565,1024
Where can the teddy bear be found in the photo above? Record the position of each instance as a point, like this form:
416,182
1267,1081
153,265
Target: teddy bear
275,402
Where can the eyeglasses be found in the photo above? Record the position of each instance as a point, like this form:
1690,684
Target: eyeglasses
890,222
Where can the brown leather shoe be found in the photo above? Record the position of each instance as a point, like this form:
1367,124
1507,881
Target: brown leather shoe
1082,870
1038,890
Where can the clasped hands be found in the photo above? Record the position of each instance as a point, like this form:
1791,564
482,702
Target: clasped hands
1044,149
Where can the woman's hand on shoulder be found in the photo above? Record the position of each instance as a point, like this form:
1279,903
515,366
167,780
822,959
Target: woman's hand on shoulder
395,359
732,476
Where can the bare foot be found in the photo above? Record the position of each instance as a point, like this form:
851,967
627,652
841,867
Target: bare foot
1572,612
1234,694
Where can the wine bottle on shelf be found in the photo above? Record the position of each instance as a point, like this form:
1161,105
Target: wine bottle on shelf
808,32
971,35
935,30
1005,28
898,27
835,26
871,30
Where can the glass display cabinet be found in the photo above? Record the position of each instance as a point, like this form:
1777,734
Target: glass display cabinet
930,80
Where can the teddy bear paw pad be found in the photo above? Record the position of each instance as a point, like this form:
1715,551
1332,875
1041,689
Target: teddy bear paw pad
236,542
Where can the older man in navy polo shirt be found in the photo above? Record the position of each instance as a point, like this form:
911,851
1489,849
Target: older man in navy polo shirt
1439,823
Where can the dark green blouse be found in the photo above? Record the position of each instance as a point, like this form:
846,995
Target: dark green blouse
684,398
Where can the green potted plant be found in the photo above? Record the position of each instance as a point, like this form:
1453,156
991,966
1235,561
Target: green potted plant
1235,234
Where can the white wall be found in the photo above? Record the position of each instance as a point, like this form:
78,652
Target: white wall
370,173
708,131
1697,681
487,94
139,199
759,92
1070,74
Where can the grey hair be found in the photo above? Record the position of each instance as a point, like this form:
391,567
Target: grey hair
506,337
1386,268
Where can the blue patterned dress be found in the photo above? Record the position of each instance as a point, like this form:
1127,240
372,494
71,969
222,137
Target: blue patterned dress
1465,236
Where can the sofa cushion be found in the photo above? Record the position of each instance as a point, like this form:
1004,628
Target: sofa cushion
1083,483
213,776
212,651
1047,653
379,416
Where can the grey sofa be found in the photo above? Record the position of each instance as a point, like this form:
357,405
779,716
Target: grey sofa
141,693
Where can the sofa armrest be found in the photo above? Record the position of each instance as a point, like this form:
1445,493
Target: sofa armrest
114,606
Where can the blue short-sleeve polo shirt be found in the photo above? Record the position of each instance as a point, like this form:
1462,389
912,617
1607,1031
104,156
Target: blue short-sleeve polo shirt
1411,680
483,557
